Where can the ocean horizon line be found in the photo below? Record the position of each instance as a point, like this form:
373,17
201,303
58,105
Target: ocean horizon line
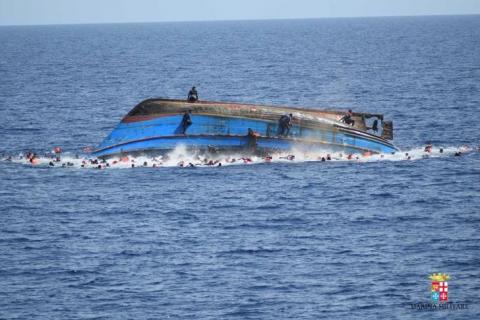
239,20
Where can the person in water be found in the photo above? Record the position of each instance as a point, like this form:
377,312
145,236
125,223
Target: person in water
192,95
347,118
186,121
284,124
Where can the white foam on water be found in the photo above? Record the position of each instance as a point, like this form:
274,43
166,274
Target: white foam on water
181,157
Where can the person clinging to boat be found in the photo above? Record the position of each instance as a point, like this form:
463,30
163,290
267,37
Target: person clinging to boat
347,118
192,95
186,121
252,137
284,124
374,126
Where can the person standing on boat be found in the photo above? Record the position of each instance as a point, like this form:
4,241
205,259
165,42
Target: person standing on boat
186,121
192,95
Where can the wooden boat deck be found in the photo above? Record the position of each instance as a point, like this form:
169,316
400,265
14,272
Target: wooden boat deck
153,108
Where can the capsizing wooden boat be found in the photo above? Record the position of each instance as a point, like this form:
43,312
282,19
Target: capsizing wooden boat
158,125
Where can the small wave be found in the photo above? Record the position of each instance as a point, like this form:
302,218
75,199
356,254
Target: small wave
132,253
254,251
180,157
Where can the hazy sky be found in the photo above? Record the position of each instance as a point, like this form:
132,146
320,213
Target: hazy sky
13,12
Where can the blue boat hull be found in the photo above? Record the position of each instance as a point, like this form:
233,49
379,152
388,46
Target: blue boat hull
163,133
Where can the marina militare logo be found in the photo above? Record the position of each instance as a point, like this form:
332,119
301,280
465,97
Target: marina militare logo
439,295
439,287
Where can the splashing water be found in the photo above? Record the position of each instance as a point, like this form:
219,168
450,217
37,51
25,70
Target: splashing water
181,157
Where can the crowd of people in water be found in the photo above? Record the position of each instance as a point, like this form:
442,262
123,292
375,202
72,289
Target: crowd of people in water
55,158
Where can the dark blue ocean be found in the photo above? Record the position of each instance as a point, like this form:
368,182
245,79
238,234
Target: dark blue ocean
300,240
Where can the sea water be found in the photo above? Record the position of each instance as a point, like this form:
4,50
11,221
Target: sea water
289,238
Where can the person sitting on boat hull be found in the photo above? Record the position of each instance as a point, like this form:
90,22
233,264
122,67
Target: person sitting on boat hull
284,124
192,95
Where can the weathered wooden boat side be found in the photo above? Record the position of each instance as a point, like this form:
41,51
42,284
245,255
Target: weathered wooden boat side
154,124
